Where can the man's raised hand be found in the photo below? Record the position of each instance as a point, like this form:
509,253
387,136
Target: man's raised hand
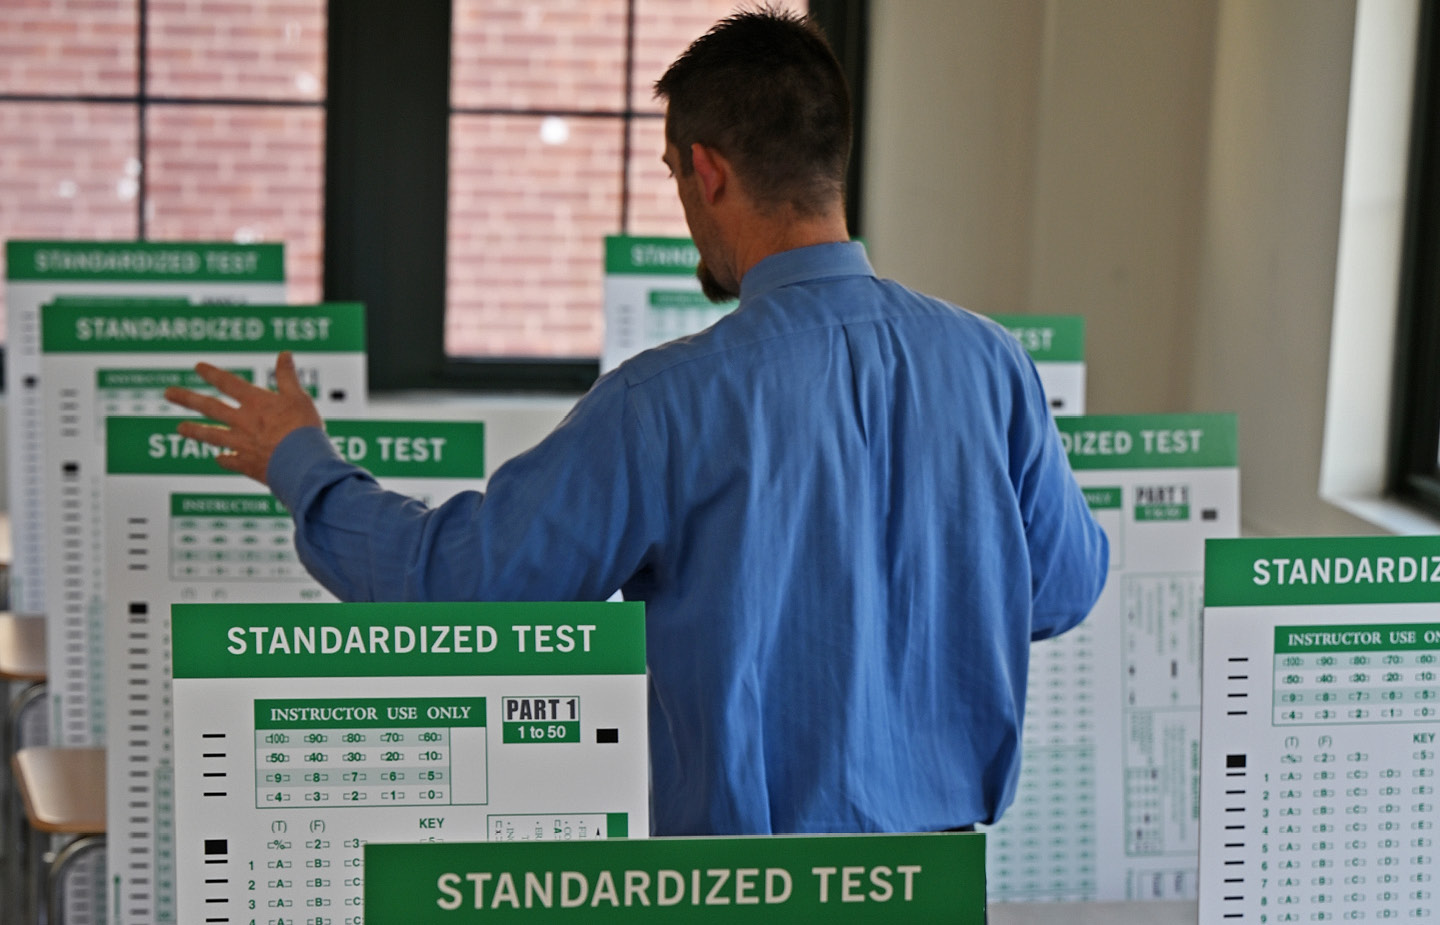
256,423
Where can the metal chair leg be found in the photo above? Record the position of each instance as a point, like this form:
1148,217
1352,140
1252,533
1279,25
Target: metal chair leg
55,880
12,823
31,862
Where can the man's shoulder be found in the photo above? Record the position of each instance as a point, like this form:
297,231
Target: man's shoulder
795,320
677,356
955,321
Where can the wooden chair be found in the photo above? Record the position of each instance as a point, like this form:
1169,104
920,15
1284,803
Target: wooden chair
22,662
63,791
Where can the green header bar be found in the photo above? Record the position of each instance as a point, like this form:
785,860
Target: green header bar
1162,512
1104,499
650,256
370,713
144,445
92,300
150,446
412,449
159,379
1048,338
400,640
680,298
149,327
799,880
1149,441
144,261
1384,637
1322,570
208,505
540,733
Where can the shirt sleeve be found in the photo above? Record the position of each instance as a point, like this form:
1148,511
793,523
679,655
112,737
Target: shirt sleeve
571,519
1069,552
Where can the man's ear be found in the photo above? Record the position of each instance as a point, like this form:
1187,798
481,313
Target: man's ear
712,169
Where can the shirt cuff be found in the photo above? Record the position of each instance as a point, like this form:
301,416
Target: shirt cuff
293,458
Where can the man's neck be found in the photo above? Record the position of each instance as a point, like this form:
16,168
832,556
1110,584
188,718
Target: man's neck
765,236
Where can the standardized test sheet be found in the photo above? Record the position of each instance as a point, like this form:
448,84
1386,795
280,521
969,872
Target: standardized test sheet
180,529
207,274
106,358
305,731
1106,808
1319,757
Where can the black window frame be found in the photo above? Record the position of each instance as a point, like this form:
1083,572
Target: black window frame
1414,471
386,188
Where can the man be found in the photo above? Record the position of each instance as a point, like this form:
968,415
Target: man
845,504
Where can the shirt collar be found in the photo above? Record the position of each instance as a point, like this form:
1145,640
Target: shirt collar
804,264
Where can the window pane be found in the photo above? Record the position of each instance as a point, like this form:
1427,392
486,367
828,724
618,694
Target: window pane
520,54
654,205
665,28
67,170
531,199
68,47
240,173
262,49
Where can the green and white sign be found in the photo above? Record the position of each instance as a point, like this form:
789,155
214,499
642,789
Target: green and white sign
73,326
103,358
203,274
1323,571
1321,707
829,879
303,733
181,529
117,262
1106,809
1057,345
652,296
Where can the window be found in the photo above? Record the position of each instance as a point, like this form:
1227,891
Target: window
455,166
1415,470
554,144
163,120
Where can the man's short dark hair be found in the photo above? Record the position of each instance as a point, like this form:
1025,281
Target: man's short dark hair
764,89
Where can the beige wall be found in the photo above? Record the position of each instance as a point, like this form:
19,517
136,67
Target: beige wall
1270,239
949,169
1169,169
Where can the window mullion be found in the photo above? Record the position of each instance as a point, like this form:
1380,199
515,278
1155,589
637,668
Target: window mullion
386,182
1416,406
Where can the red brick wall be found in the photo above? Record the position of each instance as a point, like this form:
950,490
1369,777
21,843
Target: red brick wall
249,49
523,54
240,173
237,173
526,224
68,46
67,170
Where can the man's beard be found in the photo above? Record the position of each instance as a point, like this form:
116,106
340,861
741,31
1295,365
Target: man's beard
714,290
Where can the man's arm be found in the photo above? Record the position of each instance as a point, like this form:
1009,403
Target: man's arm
1069,552
256,423
569,519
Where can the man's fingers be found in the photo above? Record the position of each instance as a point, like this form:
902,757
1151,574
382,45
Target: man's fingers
243,463
232,462
208,405
227,382
208,433
287,380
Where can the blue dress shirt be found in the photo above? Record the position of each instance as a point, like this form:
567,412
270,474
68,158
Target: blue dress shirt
848,513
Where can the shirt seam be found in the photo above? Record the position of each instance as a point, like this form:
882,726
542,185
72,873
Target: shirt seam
633,378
